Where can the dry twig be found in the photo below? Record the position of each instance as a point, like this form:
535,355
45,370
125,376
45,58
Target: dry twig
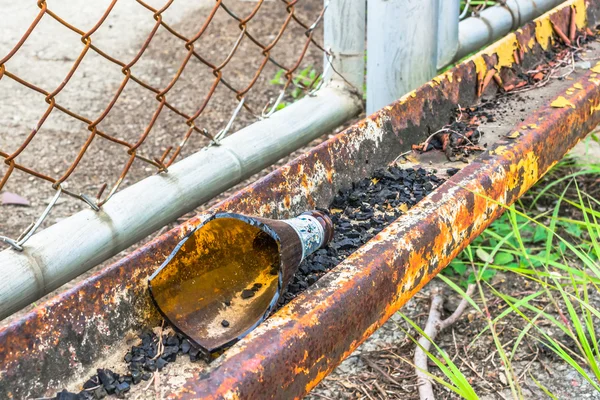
434,326
381,371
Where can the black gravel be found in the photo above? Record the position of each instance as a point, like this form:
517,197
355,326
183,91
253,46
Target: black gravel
359,213
142,361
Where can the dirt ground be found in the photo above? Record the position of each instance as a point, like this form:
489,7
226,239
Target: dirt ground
51,50
383,362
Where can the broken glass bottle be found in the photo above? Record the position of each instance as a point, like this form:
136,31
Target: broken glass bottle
226,276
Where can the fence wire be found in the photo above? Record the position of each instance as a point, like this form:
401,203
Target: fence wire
472,8
195,125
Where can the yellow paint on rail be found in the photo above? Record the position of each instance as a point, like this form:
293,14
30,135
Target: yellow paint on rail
581,14
544,33
505,48
561,102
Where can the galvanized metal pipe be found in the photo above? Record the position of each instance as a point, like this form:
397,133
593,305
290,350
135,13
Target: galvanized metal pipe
410,40
402,54
495,22
344,37
448,21
74,245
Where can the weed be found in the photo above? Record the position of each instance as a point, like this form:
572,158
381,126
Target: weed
551,241
302,83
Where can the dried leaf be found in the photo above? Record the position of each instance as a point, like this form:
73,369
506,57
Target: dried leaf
12,199
578,86
596,68
484,256
513,135
502,378
403,207
561,102
375,181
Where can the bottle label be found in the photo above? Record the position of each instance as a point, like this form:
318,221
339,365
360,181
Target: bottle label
310,232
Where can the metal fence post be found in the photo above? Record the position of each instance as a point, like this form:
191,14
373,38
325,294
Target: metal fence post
449,11
402,48
344,39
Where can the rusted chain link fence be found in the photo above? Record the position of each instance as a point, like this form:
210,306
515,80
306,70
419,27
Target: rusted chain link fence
184,125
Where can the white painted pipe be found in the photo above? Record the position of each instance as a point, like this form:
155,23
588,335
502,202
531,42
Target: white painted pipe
65,250
344,38
402,48
495,22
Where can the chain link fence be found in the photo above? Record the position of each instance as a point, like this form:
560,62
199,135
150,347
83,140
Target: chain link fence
227,60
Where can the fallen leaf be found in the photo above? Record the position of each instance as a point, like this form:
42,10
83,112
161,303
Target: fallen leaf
12,199
374,181
578,86
403,207
484,256
349,385
513,135
502,378
596,68
561,102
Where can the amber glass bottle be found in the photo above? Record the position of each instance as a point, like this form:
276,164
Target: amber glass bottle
226,276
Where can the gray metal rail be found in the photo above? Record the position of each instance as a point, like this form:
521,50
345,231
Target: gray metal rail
67,249
495,22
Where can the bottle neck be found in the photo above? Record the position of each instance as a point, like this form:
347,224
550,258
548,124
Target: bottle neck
314,229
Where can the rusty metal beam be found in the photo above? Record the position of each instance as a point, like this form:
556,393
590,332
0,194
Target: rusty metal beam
291,353
300,344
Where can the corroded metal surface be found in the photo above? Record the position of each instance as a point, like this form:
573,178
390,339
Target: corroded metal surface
298,346
304,341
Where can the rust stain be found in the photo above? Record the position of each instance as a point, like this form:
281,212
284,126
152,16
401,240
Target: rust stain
309,337
372,284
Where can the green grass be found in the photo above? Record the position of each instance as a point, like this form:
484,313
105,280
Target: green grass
302,83
477,3
550,240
